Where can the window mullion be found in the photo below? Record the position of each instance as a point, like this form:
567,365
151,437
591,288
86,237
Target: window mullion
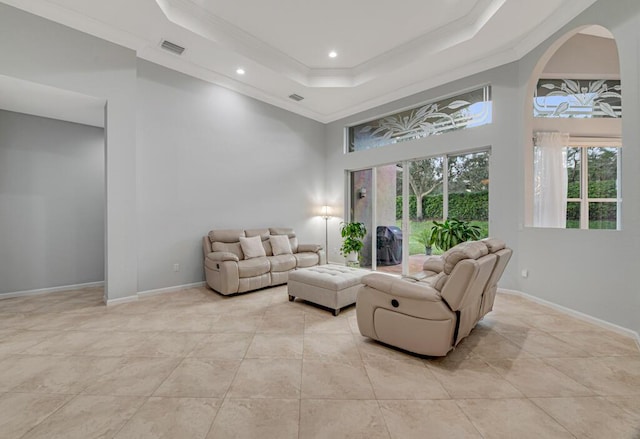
618,192
405,217
584,189
445,187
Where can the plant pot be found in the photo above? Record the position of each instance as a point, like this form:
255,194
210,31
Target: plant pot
427,251
353,260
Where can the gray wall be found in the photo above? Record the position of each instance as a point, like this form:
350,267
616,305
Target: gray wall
589,271
592,271
38,50
208,157
51,203
203,157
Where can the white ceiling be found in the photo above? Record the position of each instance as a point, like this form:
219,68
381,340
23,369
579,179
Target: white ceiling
386,50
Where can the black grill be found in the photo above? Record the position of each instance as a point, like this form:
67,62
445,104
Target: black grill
389,247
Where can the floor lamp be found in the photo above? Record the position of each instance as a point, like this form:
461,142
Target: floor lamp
326,214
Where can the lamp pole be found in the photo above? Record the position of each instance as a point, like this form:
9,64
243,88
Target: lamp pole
326,214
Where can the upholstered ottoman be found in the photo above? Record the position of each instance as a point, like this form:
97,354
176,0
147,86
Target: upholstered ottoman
333,286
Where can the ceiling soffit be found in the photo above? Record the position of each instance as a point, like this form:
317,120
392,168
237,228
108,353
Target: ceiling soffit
201,21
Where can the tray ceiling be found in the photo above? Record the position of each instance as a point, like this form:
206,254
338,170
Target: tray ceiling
385,50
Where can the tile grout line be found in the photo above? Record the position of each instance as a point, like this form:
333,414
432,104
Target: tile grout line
226,397
51,414
373,389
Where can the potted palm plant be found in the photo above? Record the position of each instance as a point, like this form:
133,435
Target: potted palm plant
424,237
452,232
353,234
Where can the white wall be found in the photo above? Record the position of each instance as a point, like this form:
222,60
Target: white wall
211,158
44,52
51,203
589,271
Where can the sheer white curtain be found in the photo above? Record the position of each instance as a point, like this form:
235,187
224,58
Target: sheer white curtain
550,180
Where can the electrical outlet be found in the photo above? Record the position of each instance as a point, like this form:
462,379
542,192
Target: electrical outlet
176,267
524,273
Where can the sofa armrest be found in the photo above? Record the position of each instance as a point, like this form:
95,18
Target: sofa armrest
401,287
206,246
313,248
222,256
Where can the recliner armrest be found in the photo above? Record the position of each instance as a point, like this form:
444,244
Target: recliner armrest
222,256
401,287
313,248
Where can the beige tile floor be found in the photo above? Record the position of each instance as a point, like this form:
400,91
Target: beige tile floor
193,364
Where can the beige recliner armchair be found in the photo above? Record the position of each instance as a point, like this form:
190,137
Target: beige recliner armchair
429,314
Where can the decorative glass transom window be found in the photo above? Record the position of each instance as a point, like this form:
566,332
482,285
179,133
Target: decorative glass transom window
466,110
573,98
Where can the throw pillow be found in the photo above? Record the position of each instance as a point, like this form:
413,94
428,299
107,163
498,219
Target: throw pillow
280,245
252,247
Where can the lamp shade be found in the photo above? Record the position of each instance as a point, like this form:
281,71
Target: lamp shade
326,212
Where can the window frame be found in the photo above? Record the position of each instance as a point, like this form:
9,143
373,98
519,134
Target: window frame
584,144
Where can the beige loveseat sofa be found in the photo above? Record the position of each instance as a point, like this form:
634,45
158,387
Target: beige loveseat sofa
429,314
237,261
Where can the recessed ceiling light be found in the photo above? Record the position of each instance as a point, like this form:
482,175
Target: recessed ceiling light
333,54
240,71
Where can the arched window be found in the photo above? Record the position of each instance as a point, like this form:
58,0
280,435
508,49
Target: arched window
574,174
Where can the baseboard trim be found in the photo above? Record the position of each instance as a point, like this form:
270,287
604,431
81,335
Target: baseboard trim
41,291
120,300
170,289
142,294
582,316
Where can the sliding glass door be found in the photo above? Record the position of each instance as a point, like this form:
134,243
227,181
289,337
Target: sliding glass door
426,185
399,202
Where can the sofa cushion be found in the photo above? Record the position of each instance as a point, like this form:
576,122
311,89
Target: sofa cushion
228,247
309,248
494,244
230,235
282,231
253,267
464,250
434,264
262,233
304,260
252,247
293,241
436,281
280,245
264,236
282,263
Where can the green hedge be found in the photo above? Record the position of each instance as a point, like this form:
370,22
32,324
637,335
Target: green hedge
597,189
474,206
465,206
597,211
